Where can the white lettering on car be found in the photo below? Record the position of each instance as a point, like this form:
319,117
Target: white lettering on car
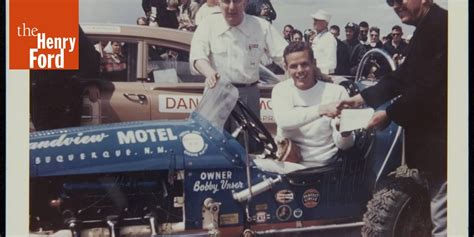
216,181
142,136
64,140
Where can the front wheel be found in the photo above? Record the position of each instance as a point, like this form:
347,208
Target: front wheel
401,208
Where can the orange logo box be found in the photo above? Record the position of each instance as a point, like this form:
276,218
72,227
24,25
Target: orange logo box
44,34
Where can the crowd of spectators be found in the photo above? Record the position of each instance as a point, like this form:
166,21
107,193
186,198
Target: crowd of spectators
339,56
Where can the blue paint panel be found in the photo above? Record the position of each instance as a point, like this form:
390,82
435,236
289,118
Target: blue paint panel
218,185
335,199
132,146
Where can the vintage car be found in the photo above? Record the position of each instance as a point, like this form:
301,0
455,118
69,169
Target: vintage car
193,178
154,81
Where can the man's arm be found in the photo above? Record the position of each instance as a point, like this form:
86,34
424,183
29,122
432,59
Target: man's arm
204,67
287,116
275,44
199,55
426,94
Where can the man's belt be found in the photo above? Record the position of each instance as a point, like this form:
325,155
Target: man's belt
240,85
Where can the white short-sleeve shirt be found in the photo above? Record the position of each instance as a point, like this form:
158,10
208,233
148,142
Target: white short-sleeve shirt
325,52
236,52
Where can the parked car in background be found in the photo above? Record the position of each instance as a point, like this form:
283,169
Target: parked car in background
145,75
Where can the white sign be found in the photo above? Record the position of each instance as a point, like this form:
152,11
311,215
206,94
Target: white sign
352,119
188,103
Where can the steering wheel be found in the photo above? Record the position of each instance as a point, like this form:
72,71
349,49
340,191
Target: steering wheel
376,62
255,128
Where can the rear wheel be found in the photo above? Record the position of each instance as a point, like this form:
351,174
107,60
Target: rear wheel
401,208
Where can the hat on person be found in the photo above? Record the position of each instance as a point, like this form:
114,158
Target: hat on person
321,15
352,25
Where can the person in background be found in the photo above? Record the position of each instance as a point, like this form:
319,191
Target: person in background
261,8
342,67
287,31
374,33
114,61
296,35
168,16
420,86
356,49
363,31
324,44
335,30
56,95
187,14
102,47
309,35
303,107
142,21
153,9
231,45
396,47
210,7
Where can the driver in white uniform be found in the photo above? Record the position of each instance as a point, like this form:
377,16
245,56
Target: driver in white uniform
302,109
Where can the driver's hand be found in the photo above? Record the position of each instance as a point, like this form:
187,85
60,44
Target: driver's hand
350,103
212,80
330,110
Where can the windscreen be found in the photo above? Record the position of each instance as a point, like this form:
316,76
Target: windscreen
218,102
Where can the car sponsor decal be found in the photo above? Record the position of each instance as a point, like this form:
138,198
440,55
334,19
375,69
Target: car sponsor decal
229,219
65,140
261,207
298,213
310,198
193,143
187,103
216,181
261,217
266,111
178,103
99,155
145,135
283,213
284,196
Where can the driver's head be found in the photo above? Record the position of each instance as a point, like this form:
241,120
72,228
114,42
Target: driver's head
300,64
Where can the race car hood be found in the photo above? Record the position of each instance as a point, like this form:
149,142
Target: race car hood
133,146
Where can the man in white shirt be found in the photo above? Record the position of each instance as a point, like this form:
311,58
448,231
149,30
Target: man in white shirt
303,107
231,45
208,8
324,44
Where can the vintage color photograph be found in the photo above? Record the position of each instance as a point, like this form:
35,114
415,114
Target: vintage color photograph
246,118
